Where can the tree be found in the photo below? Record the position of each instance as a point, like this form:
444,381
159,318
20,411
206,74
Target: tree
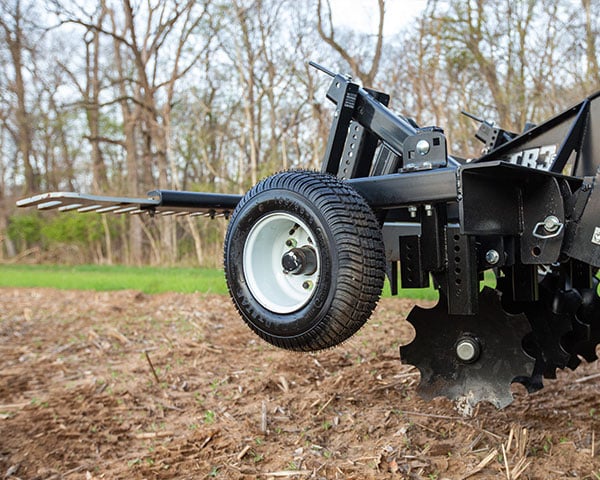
215,94
12,33
359,65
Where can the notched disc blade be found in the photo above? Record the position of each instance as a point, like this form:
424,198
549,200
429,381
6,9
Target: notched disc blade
488,378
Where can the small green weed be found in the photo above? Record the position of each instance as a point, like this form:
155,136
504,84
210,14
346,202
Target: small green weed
209,416
214,471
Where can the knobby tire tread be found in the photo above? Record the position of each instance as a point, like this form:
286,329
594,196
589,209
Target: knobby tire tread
357,235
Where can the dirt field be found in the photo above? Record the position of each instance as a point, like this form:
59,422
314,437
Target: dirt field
125,385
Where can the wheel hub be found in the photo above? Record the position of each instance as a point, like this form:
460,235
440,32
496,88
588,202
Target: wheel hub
298,261
282,279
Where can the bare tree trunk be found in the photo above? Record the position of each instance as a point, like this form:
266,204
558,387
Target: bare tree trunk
245,55
135,222
14,38
107,241
593,72
92,102
129,124
198,248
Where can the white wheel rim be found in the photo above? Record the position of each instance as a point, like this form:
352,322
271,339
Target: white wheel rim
268,241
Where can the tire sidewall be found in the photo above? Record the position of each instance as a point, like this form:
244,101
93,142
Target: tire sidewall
265,322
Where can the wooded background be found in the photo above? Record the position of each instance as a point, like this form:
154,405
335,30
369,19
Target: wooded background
125,96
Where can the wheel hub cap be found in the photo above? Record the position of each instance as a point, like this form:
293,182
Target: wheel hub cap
300,261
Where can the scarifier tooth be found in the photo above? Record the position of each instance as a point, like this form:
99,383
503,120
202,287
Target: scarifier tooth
49,205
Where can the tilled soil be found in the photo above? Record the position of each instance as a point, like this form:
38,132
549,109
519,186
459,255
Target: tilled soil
125,385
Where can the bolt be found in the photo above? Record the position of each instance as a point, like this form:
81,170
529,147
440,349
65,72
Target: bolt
423,147
492,257
551,223
292,261
291,242
468,349
413,211
428,210
307,285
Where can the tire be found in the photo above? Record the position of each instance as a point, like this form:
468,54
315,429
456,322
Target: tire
304,260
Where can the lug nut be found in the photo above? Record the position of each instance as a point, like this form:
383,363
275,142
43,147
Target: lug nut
307,285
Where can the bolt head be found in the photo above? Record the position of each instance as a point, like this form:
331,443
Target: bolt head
423,147
468,349
551,223
492,257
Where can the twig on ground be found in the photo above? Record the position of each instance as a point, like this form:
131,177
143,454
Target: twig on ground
429,415
589,377
324,405
481,465
287,473
518,436
149,435
152,367
519,468
114,333
207,440
510,438
8,406
243,453
75,470
263,417
283,384
505,458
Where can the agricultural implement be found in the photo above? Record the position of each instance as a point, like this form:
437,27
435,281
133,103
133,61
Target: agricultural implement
306,252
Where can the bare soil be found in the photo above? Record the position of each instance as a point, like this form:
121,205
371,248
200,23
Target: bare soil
126,385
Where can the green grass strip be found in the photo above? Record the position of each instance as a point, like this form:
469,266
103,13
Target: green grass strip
114,277
144,279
